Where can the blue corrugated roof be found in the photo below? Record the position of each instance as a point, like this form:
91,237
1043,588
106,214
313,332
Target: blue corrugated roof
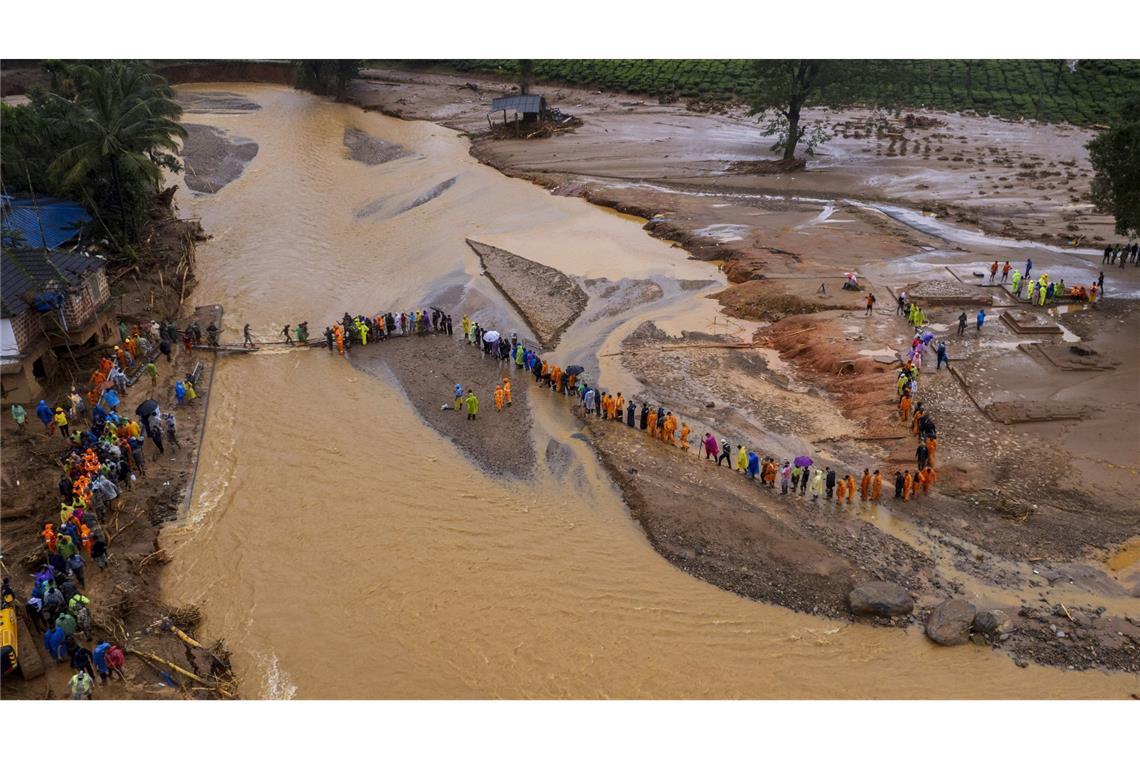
44,223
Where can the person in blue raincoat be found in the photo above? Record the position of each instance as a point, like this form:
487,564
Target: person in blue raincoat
43,411
180,392
753,465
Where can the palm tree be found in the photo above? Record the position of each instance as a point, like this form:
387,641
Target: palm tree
122,124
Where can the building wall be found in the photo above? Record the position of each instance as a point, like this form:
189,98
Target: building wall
24,331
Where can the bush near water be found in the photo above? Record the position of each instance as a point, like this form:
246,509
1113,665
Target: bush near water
1034,89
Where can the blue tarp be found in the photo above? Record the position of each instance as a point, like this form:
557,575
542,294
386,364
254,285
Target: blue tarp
58,220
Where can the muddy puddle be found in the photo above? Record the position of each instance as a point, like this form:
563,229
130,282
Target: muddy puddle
344,549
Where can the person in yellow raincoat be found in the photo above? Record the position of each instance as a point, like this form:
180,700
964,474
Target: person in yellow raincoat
651,428
685,436
471,404
668,428
619,408
741,458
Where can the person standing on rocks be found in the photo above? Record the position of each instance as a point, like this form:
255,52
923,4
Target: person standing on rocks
247,338
472,405
1015,285
961,324
1005,271
981,319
922,454
943,358
993,271
870,303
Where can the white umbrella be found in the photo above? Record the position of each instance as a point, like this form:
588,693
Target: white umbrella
490,336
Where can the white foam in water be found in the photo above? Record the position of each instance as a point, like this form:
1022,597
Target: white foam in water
277,682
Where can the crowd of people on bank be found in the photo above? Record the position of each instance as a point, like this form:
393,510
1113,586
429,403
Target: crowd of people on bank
796,476
102,457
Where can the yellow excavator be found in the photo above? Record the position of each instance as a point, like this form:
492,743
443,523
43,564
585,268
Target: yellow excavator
12,630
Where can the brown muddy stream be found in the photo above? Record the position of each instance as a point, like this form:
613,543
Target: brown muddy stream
344,549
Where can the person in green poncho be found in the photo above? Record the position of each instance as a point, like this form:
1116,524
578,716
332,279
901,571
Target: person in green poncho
472,405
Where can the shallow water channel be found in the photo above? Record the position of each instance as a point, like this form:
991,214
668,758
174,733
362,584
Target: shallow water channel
344,549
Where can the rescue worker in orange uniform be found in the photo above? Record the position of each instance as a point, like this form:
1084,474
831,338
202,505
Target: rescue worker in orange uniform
908,481
917,483
876,486
850,487
904,407
619,408
652,423
931,445
50,536
840,490
685,436
669,428
928,476
507,391
865,484
498,398
916,420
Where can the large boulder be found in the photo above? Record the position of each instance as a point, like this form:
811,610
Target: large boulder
993,622
880,598
950,622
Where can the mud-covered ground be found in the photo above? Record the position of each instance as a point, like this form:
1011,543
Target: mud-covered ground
427,368
548,299
214,158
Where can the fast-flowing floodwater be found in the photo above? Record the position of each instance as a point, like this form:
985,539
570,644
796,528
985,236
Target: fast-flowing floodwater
343,549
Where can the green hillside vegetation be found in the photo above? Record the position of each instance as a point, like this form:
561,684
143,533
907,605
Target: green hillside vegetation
1035,89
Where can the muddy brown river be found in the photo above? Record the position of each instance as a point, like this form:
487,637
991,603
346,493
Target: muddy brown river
344,549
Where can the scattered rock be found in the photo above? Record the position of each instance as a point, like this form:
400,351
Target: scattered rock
993,621
881,599
950,622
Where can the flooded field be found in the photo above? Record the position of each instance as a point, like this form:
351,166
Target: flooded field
344,549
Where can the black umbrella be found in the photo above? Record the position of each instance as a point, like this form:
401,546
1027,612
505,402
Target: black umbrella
146,408
575,369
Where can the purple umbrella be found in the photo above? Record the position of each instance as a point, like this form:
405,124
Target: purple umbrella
802,461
